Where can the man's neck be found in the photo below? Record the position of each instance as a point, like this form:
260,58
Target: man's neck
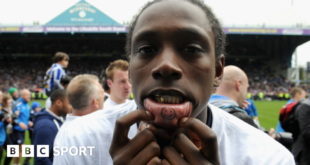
116,100
53,109
76,112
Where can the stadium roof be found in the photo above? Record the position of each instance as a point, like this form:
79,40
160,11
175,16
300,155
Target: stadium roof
82,13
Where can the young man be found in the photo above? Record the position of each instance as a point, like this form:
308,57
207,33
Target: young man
47,123
86,96
232,92
176,59
55,73
118,82
18,135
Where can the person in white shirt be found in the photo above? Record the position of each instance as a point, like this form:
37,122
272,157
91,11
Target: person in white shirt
118,82
176,59
86,96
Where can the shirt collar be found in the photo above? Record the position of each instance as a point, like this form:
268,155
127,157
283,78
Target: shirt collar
53,114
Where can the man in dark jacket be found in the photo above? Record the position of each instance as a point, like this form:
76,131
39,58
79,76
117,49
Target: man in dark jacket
47,123
301,146
232,93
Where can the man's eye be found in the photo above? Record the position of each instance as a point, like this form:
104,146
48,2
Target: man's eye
191,49
146,50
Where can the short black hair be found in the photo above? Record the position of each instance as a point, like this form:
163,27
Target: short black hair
220,36
65,80
59,56
58,94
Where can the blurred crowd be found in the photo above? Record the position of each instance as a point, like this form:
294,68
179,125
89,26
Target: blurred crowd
29,73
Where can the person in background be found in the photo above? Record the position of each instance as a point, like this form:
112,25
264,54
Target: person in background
55,73
297,94
118,82
47,124
1,97
14,93
86,96
7,110
252,111
232,92
35,108
65,80
18,135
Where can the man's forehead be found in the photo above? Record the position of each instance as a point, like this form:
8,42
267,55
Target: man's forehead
182,15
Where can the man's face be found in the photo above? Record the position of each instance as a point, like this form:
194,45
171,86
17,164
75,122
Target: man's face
244,89
120,86
64,62
173,59
66,107
26,96
15,94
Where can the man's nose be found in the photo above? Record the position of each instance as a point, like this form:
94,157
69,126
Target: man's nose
167,66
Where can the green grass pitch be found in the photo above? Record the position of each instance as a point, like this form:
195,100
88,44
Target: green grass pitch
268,114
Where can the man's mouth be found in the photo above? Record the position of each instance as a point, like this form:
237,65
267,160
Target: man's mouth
168,106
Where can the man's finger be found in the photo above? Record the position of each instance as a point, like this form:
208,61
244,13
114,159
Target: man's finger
173,156
122,126
182,144
143,125
138,143
147,154
208,138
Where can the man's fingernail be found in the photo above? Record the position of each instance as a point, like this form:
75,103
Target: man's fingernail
183,120
149,113
148,126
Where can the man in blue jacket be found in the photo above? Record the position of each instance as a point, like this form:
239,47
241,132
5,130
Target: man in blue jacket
47,124
18,134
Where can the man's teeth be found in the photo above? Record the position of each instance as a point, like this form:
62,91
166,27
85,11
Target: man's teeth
169,99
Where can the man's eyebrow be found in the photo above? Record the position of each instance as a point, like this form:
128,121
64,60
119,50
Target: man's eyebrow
181,31
146,34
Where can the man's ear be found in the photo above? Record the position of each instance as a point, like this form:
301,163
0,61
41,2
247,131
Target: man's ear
96,103
59,103
238,85
219,69
109,83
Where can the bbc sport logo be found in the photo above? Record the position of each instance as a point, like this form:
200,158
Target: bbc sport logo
43,150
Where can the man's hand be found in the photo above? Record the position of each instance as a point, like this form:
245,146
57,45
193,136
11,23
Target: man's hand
256,118
142,149
22,125
17,113
30,123
9,120
202,149
245,104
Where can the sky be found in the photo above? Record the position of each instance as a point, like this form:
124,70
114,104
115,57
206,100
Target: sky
232,13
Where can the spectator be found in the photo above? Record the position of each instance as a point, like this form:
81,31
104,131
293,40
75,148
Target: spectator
18,135
252,111
86,96
297,94
47,123
301,145
1,98
56,72
7,110
232,93
118,82
14,93
35,108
